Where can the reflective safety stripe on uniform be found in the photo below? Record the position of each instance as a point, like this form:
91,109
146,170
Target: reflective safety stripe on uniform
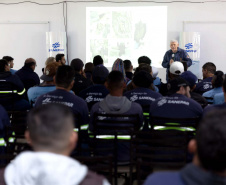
83,127
13,91
2,142
22,92
171,127
122,137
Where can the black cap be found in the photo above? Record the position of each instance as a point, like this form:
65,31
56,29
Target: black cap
174,85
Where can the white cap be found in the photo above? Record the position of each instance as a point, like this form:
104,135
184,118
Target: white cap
176,68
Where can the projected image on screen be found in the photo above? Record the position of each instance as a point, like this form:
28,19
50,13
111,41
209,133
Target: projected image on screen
126,33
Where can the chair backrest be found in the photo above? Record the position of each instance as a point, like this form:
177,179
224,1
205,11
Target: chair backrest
111,136
115,122
164,149
101,165
182,124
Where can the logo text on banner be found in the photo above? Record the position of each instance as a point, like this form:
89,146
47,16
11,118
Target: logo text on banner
55,46
188,46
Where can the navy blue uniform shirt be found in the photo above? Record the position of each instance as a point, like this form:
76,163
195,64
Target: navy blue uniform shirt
180,54
4,121
176,106
77,104
16,85
28,77
94,94
204,85
143,96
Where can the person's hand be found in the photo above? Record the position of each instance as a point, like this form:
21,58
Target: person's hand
171,61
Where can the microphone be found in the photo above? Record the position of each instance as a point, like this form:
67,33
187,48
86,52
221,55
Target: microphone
173,56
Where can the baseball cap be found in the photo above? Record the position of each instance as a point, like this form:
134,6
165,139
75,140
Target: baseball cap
176,68
50,71
176,83
189,77
100,74
143,79
77,64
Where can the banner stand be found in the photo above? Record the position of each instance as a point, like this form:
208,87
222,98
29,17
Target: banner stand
190,41
56,42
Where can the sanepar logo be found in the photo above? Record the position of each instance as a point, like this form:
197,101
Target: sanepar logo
55,46
188,46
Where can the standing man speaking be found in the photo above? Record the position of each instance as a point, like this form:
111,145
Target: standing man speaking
175,54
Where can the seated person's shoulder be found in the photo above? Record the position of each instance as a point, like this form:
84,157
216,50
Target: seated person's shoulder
164,178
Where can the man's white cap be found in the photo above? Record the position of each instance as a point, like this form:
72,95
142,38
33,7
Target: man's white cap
176,68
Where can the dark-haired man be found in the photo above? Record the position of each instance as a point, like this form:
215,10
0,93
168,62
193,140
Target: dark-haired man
60,58
50,133
97,60
10,60
27,75
209,162
12,89
81,82
64,81
98,91
142,94
116,103
208,70
128,69
178,104
144,60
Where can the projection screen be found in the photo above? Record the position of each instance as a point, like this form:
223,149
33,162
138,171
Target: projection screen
126,33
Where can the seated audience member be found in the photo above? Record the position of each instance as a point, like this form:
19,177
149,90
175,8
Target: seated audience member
27,75
98,91
178,103
175,70
223,104
119,66
50,133
142,67
142,94
128,68
89,70
209,162
116,103
97,60
191,79
4,122
208,70
10,60
81,82
60,58
64,81
217,82
144,60
48,85
48,61
12,92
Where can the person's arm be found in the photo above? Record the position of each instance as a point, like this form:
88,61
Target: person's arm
187,58
19,85
166,61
